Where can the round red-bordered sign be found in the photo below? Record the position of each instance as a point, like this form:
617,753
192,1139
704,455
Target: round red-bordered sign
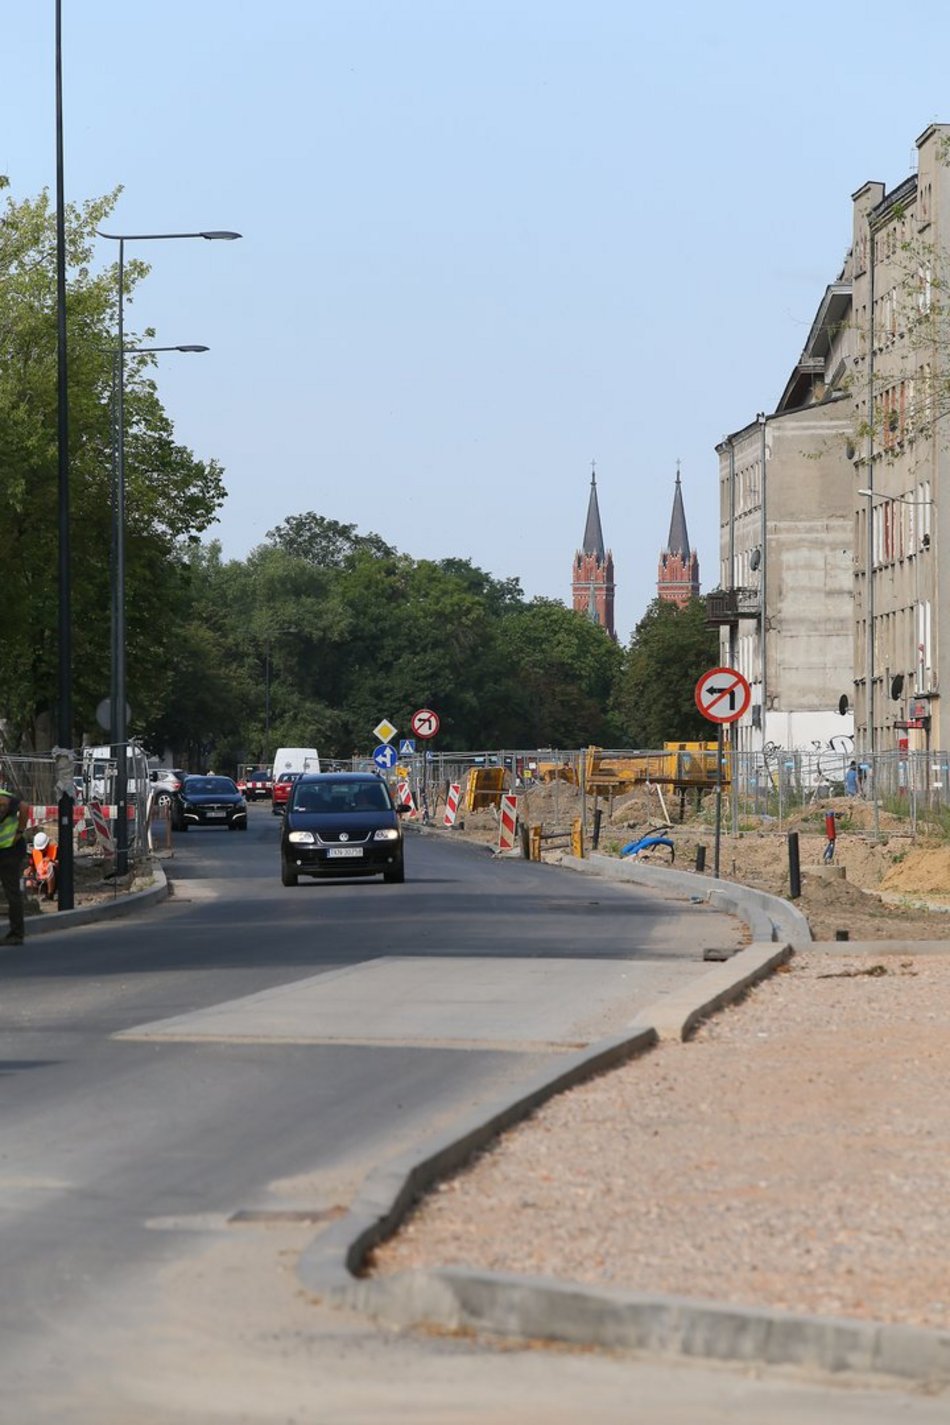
425,723
723,695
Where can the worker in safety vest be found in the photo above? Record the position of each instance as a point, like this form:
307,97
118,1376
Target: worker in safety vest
41,868
13,818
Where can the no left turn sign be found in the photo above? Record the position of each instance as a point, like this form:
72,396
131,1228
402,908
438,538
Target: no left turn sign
723,695
425,723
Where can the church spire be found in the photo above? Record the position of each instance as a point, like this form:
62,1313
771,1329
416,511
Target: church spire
678,578
593,534
592,586
678,540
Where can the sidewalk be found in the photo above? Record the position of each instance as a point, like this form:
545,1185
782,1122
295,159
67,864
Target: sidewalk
774,1189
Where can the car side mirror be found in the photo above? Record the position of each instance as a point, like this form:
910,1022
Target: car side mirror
401,809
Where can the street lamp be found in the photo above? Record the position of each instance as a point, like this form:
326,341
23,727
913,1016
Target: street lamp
64,558
119,718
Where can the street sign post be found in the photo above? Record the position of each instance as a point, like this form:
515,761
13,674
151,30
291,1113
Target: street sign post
425,723
722,695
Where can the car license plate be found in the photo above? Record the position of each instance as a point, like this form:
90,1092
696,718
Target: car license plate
215,813
345,851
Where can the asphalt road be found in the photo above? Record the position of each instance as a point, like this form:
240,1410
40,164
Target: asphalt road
245,1053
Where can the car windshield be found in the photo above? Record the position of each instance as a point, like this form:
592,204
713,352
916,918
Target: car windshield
342,797
199,786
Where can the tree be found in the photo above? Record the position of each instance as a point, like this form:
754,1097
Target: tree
654,698
170,495
325,542
560,669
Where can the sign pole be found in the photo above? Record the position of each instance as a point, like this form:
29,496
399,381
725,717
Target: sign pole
719,741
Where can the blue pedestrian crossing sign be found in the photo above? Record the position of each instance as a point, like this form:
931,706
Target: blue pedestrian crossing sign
407,746
385,756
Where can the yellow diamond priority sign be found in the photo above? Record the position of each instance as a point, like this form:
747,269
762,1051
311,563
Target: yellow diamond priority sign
385,730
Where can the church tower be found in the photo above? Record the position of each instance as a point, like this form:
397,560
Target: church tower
678,579
592,589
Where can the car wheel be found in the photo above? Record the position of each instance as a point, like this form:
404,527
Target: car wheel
287,876
164,799
183,826
396,876
242,826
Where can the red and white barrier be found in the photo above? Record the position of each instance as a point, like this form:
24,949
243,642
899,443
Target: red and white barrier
102,822
508,823
452,804
38,815
404,797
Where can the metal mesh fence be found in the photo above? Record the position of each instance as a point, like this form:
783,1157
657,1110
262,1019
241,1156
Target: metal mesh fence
34,780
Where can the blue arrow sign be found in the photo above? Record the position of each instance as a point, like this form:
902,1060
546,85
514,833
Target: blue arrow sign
407,747
385,756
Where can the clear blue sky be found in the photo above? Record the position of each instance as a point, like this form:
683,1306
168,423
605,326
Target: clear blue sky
483,243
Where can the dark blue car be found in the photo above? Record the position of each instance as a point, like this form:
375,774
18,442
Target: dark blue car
341,824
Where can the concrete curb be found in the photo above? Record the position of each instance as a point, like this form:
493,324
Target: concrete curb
533,1308
102,910
768,917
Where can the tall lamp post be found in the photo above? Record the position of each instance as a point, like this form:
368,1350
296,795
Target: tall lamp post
64,617
119,718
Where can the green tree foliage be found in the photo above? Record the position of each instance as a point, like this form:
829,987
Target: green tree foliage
170,496
653,701
560,671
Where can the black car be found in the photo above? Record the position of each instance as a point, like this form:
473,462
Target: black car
209,801
341,824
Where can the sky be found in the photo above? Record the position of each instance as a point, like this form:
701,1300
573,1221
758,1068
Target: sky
484,243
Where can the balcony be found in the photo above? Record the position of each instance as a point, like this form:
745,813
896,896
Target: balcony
725,606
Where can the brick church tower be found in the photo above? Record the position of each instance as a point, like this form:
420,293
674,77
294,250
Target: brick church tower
592,589
678,579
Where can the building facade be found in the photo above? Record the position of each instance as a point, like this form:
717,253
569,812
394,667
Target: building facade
592,586
784,602
900,455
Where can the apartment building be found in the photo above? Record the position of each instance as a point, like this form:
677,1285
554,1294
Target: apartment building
900,455
785,599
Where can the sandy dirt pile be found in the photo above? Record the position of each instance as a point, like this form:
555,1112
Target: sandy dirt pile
792,1155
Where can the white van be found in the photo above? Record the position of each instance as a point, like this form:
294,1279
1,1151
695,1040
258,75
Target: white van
295,759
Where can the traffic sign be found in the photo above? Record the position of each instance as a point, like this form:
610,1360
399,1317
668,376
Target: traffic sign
385,756
723,695
407,746
425,723
385,730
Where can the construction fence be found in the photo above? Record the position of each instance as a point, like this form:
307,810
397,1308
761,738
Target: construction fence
38,780
768,787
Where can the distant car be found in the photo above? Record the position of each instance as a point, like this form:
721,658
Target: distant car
209,801
258,784
281,791
341,824
163,783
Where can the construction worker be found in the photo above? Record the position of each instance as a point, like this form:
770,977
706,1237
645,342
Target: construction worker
14,814
41,868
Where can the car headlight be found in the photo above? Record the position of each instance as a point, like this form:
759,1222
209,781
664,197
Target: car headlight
301,836
387,833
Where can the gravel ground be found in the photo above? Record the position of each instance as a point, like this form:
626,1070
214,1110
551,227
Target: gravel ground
794,1154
